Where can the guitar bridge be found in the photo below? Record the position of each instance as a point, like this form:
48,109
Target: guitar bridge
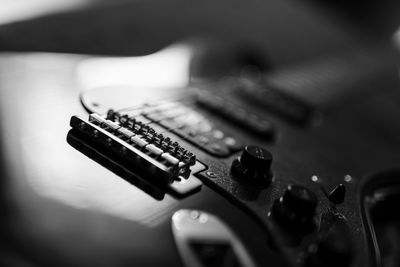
144,148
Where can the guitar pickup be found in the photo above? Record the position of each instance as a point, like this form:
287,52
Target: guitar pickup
139,144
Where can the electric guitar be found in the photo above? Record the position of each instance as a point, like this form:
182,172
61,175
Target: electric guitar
294,166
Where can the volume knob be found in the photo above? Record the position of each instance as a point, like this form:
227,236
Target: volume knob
253,166
296,208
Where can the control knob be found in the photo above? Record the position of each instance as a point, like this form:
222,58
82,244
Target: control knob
296,208
253,166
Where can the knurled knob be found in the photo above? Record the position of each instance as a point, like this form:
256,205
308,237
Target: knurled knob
296,208
253,166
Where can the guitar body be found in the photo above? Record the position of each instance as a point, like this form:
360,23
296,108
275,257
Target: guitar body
70,199
61,208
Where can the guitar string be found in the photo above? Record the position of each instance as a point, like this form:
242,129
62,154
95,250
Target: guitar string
167,130
155,111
